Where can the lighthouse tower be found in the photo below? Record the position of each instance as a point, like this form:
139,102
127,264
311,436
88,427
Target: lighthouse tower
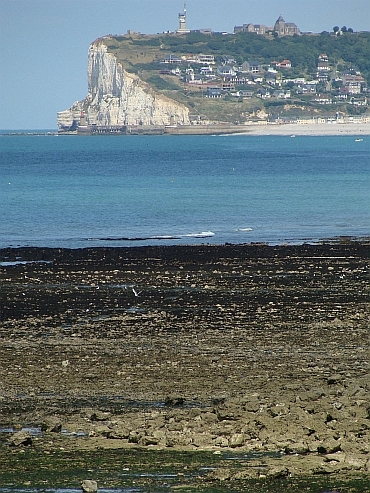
182,22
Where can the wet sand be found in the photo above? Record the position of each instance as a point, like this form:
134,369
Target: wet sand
247,348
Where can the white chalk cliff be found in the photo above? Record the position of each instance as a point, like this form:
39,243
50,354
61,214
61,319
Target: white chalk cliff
117,97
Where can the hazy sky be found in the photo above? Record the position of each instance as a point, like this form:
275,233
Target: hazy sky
44,43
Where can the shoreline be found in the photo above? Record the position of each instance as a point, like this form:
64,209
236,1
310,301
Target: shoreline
262,128
251,350
14,251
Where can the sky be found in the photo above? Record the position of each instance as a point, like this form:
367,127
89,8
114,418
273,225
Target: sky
44,43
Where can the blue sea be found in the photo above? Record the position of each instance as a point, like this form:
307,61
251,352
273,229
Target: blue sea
72,191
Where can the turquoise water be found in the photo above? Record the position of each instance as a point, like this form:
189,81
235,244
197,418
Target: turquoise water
71,191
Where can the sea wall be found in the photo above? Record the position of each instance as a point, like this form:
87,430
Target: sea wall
117,97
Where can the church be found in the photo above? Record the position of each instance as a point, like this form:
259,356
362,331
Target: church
281,27
285,28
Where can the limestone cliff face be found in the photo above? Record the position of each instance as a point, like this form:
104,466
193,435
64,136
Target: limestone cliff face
117,97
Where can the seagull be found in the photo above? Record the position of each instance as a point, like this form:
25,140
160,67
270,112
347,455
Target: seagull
135,292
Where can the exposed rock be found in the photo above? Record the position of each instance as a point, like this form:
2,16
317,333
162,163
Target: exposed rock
160,436
221,474
119,433
355,463
329,446
356,390
175,425
267,358
20,438
221,441
236,440
135,436
89,486
218,401
174,439
326,468
297,448
201,440
174,401
103,430
339,457
100,416
51,424
229,410
334,379
252,405
148,440
277,472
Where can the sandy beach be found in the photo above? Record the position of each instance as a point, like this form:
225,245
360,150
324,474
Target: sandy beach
355,129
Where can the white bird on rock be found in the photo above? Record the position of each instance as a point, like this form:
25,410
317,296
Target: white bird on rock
136,293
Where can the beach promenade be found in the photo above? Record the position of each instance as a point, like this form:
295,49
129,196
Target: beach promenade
356,129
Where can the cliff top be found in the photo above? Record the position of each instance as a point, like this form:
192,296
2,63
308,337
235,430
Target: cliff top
225,77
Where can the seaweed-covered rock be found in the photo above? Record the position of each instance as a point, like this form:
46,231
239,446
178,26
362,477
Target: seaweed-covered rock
51,424
20,438
174,401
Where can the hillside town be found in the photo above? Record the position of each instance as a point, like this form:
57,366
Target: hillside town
332,83
328,85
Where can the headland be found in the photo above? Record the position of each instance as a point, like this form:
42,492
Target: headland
192,82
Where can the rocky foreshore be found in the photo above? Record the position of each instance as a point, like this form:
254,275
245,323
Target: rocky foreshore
249,349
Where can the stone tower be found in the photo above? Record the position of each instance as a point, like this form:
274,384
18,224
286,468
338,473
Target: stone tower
182,22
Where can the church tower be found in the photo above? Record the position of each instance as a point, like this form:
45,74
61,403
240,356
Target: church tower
280,26
182,22
285,28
